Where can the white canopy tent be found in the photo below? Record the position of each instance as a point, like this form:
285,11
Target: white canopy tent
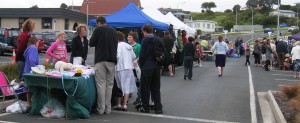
175,21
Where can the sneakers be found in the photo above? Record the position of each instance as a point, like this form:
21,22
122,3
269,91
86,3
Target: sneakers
158,111
143,110
137,102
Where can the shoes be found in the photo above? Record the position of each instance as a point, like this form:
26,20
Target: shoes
152,107
143,110
184,77
172,75
137,102
200,65
124,108
190,78
118,107
158,111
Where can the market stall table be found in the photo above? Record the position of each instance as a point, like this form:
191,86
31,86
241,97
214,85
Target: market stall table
78,93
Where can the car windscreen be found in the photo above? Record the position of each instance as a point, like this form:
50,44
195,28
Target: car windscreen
70,35
39,36
13,33
49,37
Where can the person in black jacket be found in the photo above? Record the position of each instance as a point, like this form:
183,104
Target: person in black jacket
150,71
281,50
169,43
188,57
80,44
105,41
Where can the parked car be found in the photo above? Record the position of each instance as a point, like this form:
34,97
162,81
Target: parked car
70,34
1,49
293,28
49,38
9,38
41,46
266,30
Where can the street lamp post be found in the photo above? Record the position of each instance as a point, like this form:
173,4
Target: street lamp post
278,20
87,16
252,25
235,18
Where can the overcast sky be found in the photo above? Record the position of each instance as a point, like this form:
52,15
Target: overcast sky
187,5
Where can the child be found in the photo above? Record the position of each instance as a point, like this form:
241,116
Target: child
198,53
31,55
247,53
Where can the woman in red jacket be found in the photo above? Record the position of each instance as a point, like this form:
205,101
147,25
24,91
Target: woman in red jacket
27,28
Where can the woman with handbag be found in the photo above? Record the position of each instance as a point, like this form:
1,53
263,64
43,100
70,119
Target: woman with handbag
221,49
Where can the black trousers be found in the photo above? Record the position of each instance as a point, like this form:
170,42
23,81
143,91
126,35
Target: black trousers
247,60
267,65
257,58
150,83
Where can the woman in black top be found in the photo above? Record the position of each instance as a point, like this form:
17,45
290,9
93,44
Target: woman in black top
188,57
169,42
80,44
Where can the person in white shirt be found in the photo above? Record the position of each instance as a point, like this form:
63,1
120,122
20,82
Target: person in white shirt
124,74
220,48
296,59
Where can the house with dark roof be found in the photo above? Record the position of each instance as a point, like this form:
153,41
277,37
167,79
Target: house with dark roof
46,19
105,7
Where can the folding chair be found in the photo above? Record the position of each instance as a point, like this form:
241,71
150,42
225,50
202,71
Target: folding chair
8,90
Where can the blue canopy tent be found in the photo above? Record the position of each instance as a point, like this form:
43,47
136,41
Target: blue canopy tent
295,36
131,17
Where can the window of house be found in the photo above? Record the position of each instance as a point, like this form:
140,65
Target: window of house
67,24
46,23
203,25
208,26
21,21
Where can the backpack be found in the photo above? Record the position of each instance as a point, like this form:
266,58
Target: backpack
161,55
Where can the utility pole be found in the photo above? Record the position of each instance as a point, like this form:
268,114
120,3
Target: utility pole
278,12
252,25
236,12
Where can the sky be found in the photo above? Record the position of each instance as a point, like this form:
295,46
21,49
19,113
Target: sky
186,5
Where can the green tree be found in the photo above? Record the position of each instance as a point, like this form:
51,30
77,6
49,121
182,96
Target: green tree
236,8
63,6
34,7
262,3
228,11
208,5
285,7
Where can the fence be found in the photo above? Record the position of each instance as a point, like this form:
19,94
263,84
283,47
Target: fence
238,28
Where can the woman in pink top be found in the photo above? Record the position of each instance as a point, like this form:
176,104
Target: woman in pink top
58,50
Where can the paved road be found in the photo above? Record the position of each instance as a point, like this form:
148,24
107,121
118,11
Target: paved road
205,99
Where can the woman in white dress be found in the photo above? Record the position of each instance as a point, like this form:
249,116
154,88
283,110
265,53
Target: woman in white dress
124,74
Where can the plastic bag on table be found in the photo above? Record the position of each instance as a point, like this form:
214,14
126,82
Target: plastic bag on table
53,109
15,107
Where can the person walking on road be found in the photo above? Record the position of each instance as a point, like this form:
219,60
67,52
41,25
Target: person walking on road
150,75
247,55
27,28
220,48
105,41
296,59
268,54
80,44
188,58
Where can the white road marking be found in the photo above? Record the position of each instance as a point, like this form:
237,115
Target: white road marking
252,98
4,114
283,71
173,117
281,75
290,80
7,122
178,67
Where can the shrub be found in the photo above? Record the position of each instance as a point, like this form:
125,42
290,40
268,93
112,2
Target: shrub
10,70
290,91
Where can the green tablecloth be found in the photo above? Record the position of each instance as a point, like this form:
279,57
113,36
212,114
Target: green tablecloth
77,106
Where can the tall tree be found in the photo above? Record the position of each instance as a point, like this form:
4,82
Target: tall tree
285,7
34,7
63,6
262,3
228,11
208,5
236,8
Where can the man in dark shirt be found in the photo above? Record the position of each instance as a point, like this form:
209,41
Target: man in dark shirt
188,57
105,41
281,50
150,71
